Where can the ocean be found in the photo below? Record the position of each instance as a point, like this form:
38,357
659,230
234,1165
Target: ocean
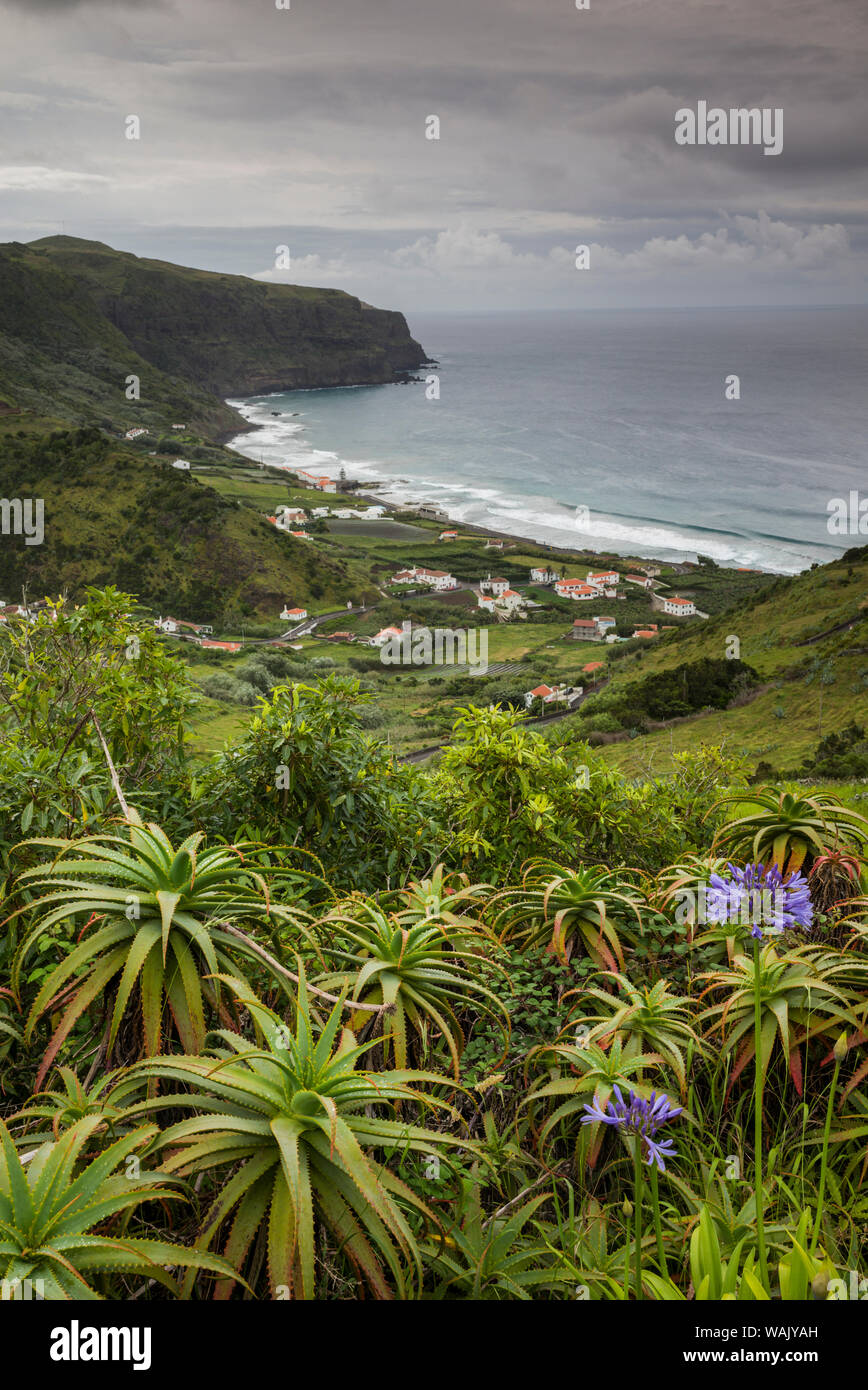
609,431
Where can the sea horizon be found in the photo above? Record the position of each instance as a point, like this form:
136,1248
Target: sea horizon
606,430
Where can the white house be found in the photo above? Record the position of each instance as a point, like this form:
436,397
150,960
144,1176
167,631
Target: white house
172,625
542,575
438,579
576,589
493,586
136,433
287,520
293,615
494,545
679,607
549,694
643,580
301,535
179,427
553,694
604,623
603,579
183,464
449,535
509,600
14,610
318,481
385,635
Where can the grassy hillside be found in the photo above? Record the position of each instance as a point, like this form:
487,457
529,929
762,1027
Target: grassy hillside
112,517
77,318
806,636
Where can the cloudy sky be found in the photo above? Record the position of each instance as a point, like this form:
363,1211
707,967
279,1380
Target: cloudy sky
306,127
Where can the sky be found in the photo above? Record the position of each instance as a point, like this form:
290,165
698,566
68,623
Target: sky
305,127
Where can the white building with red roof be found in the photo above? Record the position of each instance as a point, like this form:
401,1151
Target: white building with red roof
437,579
386,634
510,600
318,481
576,589
493,586
679,607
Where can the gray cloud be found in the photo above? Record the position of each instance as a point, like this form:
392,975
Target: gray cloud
556,126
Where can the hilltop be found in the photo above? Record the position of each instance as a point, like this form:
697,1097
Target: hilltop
78,317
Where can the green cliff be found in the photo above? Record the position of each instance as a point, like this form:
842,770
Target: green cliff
77,318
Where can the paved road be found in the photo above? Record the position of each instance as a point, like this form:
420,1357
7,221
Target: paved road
305,628
421,755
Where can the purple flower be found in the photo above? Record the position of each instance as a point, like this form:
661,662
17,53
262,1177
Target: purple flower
640,1117
756,896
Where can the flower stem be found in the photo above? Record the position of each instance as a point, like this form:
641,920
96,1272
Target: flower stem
658,1228
637,1214
758,1117
824,1160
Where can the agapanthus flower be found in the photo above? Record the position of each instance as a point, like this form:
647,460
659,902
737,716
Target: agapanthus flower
758,897
640,1117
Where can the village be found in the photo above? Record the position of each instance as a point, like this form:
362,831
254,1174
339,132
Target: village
486,601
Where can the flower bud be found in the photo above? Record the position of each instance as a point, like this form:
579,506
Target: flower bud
627,1207
839,1051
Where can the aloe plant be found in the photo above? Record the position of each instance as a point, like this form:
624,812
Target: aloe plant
53,1220
562,907
585,1072
490,1256
787,829
422,973
437,898
297,1120
797,1002
114,1100
643,1017
160,916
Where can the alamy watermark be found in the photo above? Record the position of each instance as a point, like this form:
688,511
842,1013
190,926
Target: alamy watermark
440,646
848,516
736,126
23,516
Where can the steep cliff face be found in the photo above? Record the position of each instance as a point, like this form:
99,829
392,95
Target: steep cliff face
232,334
77,318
